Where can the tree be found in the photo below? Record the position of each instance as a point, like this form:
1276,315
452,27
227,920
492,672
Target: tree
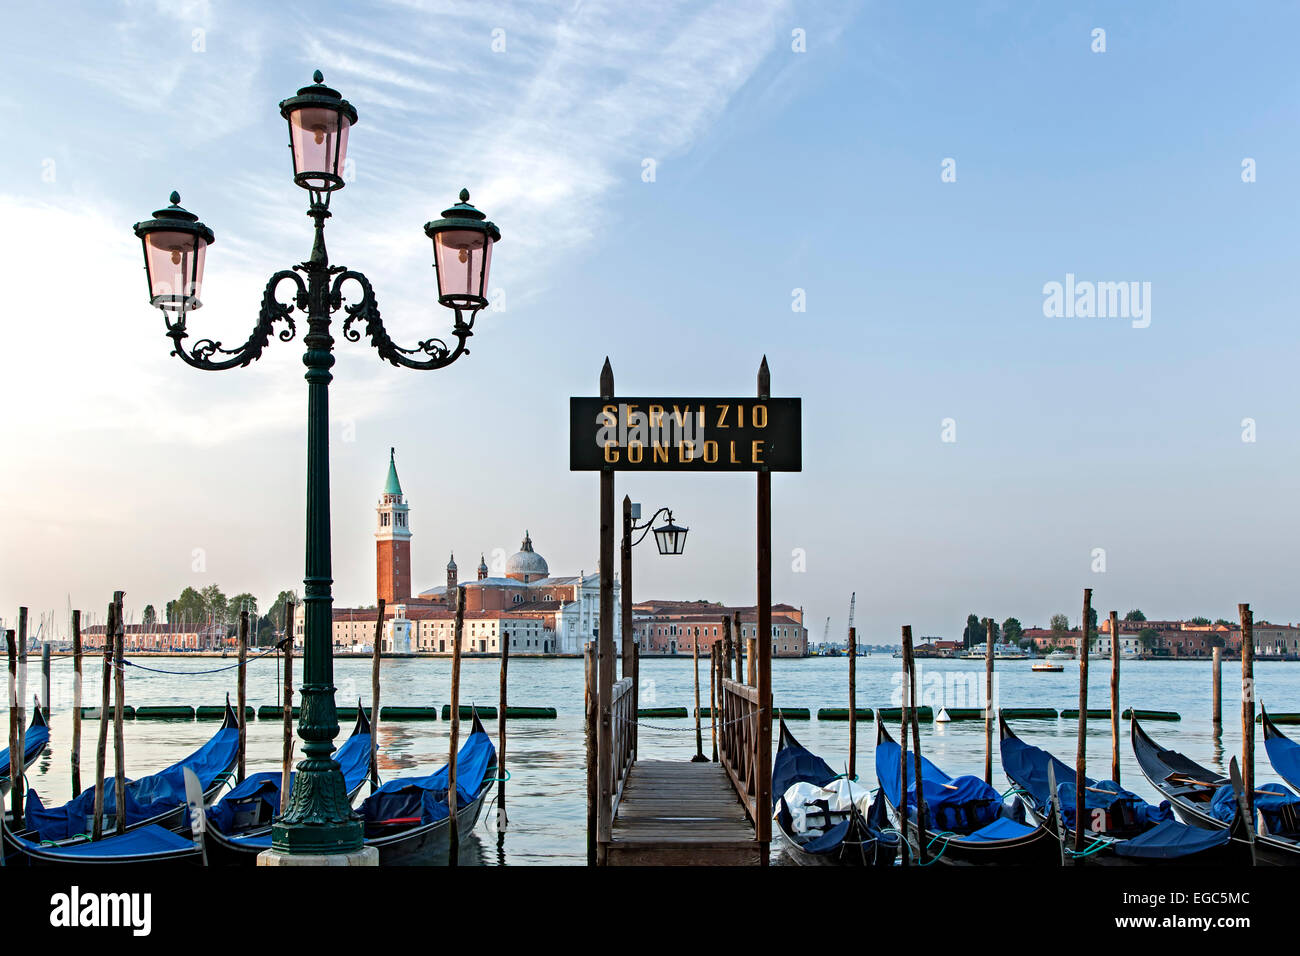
1135,615
276,613
1012,631
149,617
1201,621
215,602
1060,623
1148,636
1222,622
984,629
188,607
972,635
1092,620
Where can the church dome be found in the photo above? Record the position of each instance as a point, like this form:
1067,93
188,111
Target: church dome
526,564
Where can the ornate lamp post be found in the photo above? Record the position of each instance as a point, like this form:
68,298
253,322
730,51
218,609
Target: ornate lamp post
319,819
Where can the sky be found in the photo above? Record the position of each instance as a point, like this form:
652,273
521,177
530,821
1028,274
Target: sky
876,196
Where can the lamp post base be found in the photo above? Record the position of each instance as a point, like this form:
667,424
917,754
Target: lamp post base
366,856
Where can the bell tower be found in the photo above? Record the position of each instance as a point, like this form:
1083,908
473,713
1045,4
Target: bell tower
392,540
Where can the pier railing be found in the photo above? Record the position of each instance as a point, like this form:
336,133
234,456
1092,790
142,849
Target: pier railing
738,742
623,707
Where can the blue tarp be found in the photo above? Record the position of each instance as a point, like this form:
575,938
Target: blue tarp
1124,809
1284,755
1170,840
145,798
1278,805
426,797
35,741
960,805
353,758
150,839
794,764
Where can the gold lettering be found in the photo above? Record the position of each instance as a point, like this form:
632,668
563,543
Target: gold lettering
757,454
609,416
635,452
734,459
660,452
611,452
722,416
710,452
681,415
760,416
656,416
686,451
627,411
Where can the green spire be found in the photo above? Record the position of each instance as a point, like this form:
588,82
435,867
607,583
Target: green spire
392,486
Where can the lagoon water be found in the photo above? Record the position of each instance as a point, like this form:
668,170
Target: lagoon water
547,791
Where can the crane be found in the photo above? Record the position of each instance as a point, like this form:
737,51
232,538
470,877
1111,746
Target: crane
853,603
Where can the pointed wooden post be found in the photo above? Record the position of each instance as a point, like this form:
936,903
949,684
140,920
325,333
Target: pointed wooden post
713,697
605,634
15,751
241,696
45,679
110,628
1114,696
853,703
76,704
286,757
1248,706
625,612
726,648
591,711
922,850
988,702
904,720
699,734
453,831
374,696
502,820
1216,679
1081,751
17,781
763,796
119,702
742,651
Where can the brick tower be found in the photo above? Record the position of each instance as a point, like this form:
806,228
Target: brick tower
392,540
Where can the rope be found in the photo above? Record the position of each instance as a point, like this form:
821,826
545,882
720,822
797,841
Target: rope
946,836
214,670
1098,844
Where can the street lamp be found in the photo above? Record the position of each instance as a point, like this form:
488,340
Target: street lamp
319,819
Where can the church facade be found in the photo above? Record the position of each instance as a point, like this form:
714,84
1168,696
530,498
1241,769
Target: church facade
537,612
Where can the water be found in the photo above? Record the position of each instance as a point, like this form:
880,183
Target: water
546,797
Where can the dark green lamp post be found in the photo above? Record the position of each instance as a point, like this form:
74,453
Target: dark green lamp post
319,819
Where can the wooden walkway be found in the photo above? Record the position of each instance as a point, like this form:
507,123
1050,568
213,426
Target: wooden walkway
675,813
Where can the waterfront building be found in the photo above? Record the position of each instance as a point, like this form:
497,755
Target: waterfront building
674,627
160,636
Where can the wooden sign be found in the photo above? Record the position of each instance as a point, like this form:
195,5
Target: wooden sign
685,434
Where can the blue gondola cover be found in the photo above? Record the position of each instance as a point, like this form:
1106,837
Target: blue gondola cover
34,742
1284,755
138,842
964,804
425,798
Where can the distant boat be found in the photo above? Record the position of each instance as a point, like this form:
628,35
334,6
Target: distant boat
1046,667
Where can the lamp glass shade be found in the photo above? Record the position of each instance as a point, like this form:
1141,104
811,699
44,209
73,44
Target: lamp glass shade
463,258
174,260
319,137
670,539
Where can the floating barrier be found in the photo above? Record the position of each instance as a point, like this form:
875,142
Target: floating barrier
662,712
842,713
276,712
1029,713
1092,714
408,713
217,713
1152,714
959,713
896,713
1283,718
793,713
531,713
485,711
92,713
168,712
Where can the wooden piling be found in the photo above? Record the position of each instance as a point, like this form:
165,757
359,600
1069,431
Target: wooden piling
501,734
763,632
17,781
374,696
76,704
286,756
751,657
15,752
101,748
1216,681
988,702
1081,749
713,697
699,733
589,709
119,701
241,695
45,679
1248,706
726,648
1114,695
740,642
923,851
853,703
453,831
904,717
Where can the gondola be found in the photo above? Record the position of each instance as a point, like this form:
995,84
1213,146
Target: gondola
154,801
239,825
34,742
1203,798
845,837
968,822
1129,832
1283,752
406,819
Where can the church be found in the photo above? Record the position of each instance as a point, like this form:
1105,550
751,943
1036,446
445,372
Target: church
537,612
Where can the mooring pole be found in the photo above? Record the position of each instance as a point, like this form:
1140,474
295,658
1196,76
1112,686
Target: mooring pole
101,757
988,702
374,695
1216,680
501,739
699,733
625,612
1114,696
45,678
904,722
763,797
853,703
242,696
591,708
16,754
76,704
606,637
1081,751
922,848
119,702
1248,706
17,781
453,831
713,697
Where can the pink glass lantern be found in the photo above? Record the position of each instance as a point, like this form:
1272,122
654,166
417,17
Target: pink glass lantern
462,254
319,120
175,245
